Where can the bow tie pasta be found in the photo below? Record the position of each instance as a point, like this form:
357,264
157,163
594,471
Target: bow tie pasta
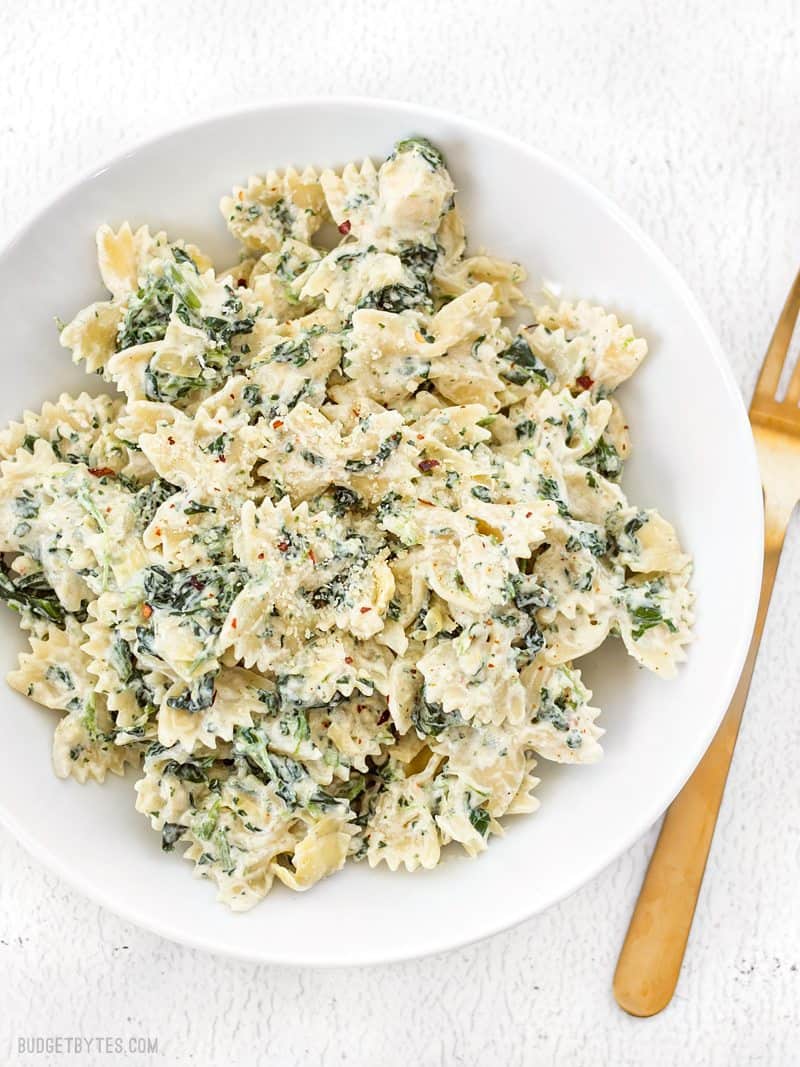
321,568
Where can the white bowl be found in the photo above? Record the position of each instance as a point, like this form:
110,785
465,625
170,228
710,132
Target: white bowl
693,459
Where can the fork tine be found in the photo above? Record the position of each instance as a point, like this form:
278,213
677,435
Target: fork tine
767,384
793,391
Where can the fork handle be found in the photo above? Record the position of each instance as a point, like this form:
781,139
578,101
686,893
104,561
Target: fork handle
651,957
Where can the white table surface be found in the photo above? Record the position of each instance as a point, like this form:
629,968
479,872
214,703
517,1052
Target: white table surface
687,114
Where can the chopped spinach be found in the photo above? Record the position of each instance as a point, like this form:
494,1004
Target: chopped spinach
165,387
150,497
223,328
632,526
533,641
171,833
218,446
646,616
386,506
251,395
588,536
287,685
528,594
604,459
549,490
147,318
396,298
147,315
333,594
145,642
420,260
196,697
59,675
356,466
25,505
431,718
523,365
193,508
281,215
480,818
250,747
188,771
32,593
345,500
121,659
182,256
423,147
645,609
211,590
297,350
584,583
553,710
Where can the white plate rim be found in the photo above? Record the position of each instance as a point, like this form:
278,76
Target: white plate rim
751,486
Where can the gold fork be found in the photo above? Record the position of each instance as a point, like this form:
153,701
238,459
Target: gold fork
651,957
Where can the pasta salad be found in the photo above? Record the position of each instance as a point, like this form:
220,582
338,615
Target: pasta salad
322,567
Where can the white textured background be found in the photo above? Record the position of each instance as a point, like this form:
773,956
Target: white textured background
686,113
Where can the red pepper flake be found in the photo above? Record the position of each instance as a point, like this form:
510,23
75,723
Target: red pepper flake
420,436
195,582
312,557
364,610
585,382
222,459
242,283
528,514
102,472
260,555
283,546
277,424
345,227
171,440
430,503
428,464
383,717
233,624
348,660
158,532
147,611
